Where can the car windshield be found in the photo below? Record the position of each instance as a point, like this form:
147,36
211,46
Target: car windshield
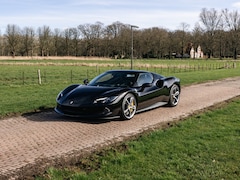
115,79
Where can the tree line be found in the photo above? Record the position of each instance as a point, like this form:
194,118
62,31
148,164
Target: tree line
217,32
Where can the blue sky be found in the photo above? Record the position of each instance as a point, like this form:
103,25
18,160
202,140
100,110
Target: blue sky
64,14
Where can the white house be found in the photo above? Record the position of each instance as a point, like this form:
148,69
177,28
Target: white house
196,54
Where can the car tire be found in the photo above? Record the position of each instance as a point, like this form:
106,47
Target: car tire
129,107
174,95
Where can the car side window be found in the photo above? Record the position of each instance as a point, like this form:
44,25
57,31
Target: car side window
144,78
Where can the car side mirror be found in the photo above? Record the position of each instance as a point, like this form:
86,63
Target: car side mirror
85,81
160,83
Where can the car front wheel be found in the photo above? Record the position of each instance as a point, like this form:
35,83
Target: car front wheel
174,96
129,106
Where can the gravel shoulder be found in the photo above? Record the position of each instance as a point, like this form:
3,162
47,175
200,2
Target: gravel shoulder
31,143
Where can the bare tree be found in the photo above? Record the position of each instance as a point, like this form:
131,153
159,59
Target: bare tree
75,40
2,44
113,34
91,33
28,35
183,29
151,42
114,30
57,42
44,35
218,34
67,36
211,20
12,36
232,21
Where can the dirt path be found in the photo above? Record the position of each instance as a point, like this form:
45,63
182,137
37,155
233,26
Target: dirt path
30,143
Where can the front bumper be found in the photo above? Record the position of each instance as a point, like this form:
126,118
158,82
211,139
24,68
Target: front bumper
89,111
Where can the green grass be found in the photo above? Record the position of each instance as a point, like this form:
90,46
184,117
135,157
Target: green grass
21,93
204,76
204,146
23,99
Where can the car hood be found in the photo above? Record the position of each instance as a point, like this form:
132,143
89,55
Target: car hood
83,94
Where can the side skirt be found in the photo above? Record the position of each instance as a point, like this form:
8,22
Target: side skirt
152,107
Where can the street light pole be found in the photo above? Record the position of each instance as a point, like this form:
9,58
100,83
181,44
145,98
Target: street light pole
132,26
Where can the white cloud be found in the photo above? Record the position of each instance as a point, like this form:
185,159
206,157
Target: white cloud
146,14
236,5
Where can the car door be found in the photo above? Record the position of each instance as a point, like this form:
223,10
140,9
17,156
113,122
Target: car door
148,92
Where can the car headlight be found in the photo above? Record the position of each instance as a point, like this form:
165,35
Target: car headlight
60,95
105,100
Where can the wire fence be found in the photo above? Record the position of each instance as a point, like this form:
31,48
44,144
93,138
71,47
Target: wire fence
16,75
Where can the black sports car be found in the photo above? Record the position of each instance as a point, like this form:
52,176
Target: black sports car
119,93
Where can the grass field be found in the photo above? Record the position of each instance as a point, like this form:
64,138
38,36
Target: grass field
21,92
204,146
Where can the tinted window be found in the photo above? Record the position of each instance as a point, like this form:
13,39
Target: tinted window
114,79
144,78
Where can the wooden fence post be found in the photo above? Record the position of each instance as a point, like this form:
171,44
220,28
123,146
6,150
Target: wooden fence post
39,77
23,78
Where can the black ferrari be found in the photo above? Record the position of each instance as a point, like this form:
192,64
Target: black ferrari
118,93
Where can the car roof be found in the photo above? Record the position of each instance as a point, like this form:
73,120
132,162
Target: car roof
135,71
129,71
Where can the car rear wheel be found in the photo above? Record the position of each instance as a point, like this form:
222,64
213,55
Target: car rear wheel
129,106
174,95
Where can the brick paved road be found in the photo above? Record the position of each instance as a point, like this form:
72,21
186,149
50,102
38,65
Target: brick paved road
27,139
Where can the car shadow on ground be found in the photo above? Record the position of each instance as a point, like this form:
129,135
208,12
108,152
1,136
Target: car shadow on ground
51,116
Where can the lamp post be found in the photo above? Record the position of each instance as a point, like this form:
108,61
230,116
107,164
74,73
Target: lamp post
132,26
